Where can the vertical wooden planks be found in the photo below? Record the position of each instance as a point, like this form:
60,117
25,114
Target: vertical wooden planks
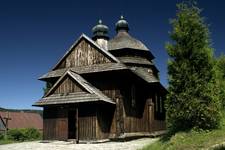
82,55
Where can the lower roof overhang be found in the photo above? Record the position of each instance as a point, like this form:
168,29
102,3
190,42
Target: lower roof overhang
61,100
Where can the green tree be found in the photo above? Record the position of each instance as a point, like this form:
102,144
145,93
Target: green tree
220,78
192,101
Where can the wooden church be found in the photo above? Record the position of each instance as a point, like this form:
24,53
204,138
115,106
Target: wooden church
103,88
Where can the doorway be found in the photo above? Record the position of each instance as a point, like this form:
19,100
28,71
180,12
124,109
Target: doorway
72,124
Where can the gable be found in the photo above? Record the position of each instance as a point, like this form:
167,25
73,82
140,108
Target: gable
84,53
68,85
71,81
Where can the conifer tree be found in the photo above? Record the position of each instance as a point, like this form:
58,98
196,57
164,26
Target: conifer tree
220,78
192,101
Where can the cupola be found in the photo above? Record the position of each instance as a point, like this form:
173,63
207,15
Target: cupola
122,25
123,40
100,34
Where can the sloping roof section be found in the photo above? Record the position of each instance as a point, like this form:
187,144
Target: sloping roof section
85,69
83,36
91,94
135,60
22,120
124,40
144,74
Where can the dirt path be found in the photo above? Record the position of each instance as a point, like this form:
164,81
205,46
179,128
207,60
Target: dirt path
60,145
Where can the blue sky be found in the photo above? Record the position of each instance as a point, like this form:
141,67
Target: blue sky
35,34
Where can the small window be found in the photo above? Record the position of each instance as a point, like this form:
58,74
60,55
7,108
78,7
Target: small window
156,103
160,104
159,108
133,96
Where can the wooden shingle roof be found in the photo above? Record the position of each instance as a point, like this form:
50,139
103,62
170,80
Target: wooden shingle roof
22,120
124,40
144,74
135,60
85,69
92,94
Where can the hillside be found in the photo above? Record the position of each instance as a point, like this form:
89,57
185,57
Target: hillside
24,110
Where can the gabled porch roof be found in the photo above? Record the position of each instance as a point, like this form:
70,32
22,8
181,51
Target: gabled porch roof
91,93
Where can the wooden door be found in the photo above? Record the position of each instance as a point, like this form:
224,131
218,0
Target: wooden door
61,129
72,124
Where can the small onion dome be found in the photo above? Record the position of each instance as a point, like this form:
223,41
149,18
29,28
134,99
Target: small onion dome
100,31
122,25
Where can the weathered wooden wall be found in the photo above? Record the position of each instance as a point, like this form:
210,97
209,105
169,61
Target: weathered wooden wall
135,113
68,85
101,121
113,116
105,113
87,122
82,55
55,123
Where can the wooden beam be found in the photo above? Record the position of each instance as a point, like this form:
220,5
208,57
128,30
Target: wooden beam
77,126
6,122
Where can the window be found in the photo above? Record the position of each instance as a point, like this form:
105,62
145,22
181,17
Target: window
159,108
156,102
160,104
133,96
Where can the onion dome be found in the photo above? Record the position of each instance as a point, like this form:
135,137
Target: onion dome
122,25
100,31
123,40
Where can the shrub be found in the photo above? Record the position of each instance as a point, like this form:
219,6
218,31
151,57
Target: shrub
32,134
2,136
16,134
23,134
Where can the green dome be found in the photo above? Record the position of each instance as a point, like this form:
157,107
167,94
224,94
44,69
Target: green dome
100,30
122,25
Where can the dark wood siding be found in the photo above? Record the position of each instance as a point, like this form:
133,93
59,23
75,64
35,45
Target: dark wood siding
102,120
136,114
87,122
68,85
55,123
105,115
82,55
112,89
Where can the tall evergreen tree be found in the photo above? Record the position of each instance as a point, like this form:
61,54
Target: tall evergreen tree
220,78
192,101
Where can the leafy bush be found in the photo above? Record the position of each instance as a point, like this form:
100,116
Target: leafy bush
1,136
32,134
23,134
16,134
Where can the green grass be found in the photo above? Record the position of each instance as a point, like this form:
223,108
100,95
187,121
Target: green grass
6,141
191,140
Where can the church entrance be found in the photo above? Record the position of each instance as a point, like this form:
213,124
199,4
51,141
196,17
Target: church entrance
72,124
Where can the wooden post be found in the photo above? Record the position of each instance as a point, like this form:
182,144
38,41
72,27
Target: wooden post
6,122
77,126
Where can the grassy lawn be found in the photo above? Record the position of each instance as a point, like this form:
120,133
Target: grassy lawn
191,140
6,141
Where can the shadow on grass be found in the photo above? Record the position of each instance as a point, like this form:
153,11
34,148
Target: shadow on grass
171,133
220,148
